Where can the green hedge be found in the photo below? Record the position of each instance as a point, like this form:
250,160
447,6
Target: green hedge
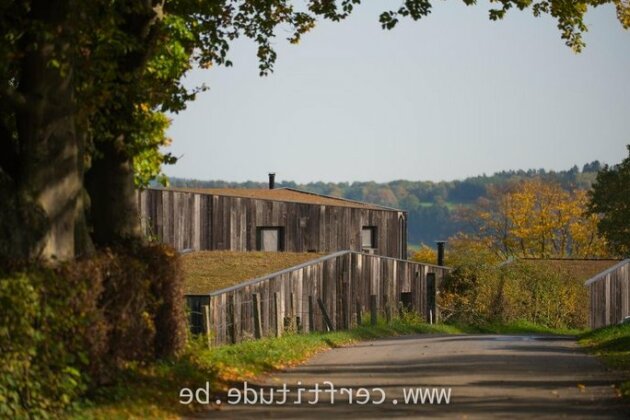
480,293
66,329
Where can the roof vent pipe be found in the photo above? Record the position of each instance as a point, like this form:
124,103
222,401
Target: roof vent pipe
272,181
440,252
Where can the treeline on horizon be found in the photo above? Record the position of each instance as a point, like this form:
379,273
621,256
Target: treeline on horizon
430,205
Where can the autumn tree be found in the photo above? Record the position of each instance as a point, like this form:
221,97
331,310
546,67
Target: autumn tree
535,218
610,200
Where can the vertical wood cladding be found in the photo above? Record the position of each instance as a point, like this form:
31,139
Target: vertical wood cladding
343,281
188,220
609,295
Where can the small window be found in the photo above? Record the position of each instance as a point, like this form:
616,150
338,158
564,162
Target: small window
270,238
368,237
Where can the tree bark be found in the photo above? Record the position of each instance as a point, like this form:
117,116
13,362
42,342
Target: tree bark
113,210
48,185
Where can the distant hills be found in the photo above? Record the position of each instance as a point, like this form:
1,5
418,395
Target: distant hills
429,204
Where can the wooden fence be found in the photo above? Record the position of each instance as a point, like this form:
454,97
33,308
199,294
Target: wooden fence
609,294
331,293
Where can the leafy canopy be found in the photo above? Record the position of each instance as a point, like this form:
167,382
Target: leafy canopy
129,57
610,199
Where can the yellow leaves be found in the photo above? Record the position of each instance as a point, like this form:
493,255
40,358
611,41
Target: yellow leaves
425,254
539,218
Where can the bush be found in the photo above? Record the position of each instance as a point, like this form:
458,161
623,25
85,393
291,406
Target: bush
72,327
483,293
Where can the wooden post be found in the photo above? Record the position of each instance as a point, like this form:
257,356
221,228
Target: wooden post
373,310
346,298
257,311
388,309
276,307
292,320
329,325
431,295
206,315
359,310
231,319
311,315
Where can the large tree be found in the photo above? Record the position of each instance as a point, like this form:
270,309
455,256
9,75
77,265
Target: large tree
83,85
610,199
535,218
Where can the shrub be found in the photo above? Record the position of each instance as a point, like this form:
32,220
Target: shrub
72,327
481,292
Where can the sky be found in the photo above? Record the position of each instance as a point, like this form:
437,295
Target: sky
450,96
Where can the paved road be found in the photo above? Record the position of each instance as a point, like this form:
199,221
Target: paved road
489,376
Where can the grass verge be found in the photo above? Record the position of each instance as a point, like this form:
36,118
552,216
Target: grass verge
612,346
524,327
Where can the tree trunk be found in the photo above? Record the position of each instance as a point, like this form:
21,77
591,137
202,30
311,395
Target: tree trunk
110,181
48,185
113,210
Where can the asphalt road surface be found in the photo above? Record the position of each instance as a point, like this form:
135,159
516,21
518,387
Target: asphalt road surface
489,376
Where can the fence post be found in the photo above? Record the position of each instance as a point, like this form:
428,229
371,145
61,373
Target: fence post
311,315
359,310
231,330
388,309
329,324
206,315
276,307
373,310
290,321
431,295
257,320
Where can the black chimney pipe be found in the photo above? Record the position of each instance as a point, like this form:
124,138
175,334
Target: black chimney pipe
440,252
272,181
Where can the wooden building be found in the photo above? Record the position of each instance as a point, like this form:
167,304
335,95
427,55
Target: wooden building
272,219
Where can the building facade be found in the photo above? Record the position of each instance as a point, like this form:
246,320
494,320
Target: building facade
280,219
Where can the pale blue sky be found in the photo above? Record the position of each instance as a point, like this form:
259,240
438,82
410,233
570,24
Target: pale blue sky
450,96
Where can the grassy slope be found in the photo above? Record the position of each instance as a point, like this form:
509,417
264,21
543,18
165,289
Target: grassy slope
612,345
207,271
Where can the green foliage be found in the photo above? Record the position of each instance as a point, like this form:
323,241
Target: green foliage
481,293
42,348
64,330
610,198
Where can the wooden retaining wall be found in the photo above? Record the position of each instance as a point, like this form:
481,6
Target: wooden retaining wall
344,282
609,294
